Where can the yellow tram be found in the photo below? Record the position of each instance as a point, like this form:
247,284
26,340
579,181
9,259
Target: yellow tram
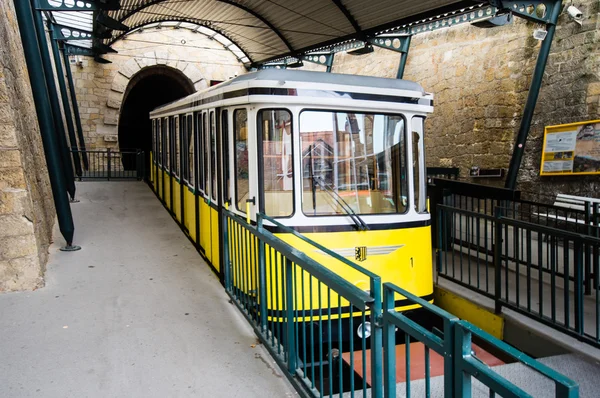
338,158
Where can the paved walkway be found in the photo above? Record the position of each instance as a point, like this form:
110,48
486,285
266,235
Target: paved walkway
135,313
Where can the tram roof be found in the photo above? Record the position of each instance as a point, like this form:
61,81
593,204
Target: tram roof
264,30
366,83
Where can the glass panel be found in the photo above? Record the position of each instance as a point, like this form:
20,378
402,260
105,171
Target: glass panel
159,142
213,155
418,165
190,151
225,135
353,162
275,132
200,152
166,143
240,125
175,145
205,155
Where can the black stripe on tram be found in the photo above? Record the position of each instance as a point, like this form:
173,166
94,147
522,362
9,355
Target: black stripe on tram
345,228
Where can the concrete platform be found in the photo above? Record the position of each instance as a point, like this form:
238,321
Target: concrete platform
135,313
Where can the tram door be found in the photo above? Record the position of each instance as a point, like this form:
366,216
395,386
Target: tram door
244,169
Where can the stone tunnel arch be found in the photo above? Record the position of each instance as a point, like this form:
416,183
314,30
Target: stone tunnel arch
149,88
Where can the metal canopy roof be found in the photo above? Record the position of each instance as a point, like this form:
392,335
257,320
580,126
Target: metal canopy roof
267,29
273,30
263,30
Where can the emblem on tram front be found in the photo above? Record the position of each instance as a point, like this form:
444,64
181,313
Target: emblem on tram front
360,253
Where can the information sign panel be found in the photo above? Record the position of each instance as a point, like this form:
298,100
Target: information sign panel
571,149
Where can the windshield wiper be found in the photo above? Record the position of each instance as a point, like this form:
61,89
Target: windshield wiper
360,224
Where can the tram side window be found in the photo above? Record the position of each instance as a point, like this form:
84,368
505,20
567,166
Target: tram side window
225,135
418,165
240,136
213,155
175,145
206,155
190,145
159,147
353,162
182,148
153,141
165,141
275,132
200,152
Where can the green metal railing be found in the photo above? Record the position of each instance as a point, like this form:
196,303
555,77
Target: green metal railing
113,165
545,272
468,366
314,322
441,343
306,315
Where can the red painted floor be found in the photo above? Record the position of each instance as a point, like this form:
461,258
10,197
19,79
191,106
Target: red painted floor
417,362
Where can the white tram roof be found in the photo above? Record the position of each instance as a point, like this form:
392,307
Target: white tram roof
285,78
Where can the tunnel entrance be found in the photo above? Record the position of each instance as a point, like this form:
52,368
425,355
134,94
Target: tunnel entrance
150,88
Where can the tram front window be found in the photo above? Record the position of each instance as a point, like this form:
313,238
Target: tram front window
353,163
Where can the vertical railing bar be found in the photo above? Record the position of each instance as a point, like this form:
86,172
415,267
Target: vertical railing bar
553,258
566,282
579,288
351,328
340,347
312,333
320,339
364,354
541,238
272,303
329,354
517,263
529,240
290,323
278,308
407,362
427,373
304,321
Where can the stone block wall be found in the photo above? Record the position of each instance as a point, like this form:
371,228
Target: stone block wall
26,206
101,88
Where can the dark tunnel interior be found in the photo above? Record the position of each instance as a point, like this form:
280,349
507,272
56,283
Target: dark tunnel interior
148,91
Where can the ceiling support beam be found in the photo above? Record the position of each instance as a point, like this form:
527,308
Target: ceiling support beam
65,102
532,97
59,128
348,15
75,105
41,100
263,20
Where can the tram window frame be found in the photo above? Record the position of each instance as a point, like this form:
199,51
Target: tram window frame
261,159
419,177
175,146
190,146
159,150
206,154
237,158
153,141
225,160
404,188
166,158
200,154
213,155
182,147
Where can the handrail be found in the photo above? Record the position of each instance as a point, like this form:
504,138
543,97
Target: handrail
443,345
561,233
464,362
352,293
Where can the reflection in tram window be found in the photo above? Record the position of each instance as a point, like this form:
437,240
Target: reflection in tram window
275,131
353,162
213,156
240,125
191,143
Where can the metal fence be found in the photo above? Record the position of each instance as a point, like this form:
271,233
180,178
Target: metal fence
325,333
545,272
114,165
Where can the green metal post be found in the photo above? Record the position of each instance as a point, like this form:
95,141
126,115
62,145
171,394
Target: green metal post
330,63
376,340
534,91
86,164
389,348
59,129
403,57
44,114
290,322
65,101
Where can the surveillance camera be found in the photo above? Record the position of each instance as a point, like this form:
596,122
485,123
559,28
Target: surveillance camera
575,13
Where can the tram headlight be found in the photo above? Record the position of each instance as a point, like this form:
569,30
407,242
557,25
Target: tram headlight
364,329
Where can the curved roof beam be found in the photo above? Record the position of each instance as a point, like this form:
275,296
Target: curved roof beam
229,2
348,16
263,20
123,34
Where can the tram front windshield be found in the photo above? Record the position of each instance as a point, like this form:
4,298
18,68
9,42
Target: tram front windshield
353,163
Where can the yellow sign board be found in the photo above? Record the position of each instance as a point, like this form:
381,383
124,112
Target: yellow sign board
571,149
